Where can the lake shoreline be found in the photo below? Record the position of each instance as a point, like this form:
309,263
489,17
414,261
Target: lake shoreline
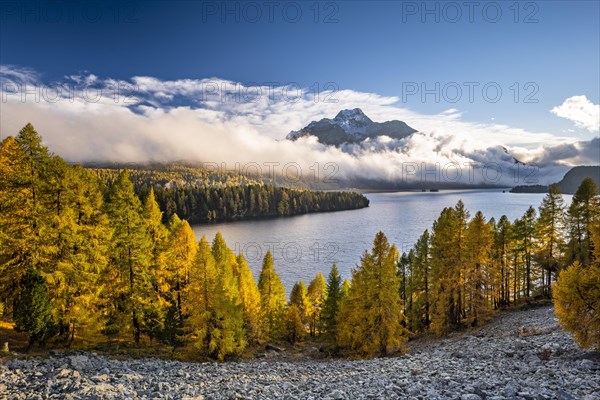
310,243
430,190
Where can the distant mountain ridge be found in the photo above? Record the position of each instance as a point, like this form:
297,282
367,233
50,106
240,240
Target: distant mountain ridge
355,134
351,126
568,184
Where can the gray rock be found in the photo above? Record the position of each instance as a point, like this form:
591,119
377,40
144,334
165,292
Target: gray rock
470,396
79,361
527,395
587,364
510,390
492,364
564,395
336,395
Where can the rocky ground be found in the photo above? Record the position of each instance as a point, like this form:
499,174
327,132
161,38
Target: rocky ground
519,355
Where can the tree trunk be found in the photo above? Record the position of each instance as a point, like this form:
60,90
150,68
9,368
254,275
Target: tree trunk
136,328
31,341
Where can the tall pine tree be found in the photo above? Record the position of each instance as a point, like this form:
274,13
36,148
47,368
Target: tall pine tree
127,280
371,318
33,311
580,217
250,299
181,254
448,262
420,285
549,234
157,234
298,312
16,229
478,275
273,301
502,257
524,235
317,294
215,324
332,302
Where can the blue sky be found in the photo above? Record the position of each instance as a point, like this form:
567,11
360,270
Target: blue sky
376,47
483,82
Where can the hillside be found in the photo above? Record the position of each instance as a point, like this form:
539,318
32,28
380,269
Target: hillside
201,196
173,175
187,174
519,355
568,184
575,176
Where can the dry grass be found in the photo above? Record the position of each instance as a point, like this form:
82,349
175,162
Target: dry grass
123,347
118,347
17,341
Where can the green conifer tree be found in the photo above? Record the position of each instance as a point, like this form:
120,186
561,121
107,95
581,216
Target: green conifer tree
127,280
549,234
580,217
332,302
33,312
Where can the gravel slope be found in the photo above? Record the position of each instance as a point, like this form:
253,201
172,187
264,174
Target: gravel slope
519,355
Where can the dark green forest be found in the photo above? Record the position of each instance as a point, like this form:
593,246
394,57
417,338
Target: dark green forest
252,201
200,197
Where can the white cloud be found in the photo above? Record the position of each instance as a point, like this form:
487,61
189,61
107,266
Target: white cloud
218,121
580,110
11,73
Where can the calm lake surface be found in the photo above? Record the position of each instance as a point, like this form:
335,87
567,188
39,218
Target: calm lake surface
306,244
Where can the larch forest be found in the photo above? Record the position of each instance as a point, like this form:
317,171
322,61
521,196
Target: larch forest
97,254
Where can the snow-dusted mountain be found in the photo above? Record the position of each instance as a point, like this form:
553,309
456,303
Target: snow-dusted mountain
351,126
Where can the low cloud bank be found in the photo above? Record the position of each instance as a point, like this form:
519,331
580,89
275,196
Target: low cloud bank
85,118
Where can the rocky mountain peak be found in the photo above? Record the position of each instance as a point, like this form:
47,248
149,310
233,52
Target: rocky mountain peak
355,114
351,126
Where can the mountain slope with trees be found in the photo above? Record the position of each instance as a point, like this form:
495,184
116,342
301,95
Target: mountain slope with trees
76,265
199,196
568,184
